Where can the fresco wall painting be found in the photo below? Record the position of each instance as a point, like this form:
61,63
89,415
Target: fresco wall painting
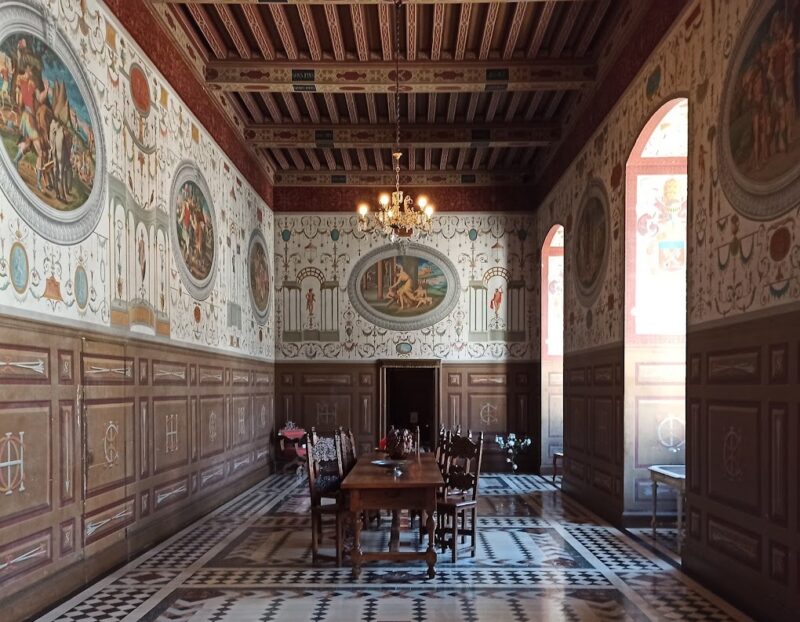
461,293
741,256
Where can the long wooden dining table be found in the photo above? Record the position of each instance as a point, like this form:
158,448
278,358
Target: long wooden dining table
373,487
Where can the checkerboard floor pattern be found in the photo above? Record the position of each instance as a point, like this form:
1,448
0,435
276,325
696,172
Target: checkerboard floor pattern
540,557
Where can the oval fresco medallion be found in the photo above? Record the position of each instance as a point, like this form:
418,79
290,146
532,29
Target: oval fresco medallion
140,90
193,231
404,291
591,244
52,158
81,287
258,270
18,267
759,145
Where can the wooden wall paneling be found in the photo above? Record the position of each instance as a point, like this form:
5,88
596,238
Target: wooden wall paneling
102,474
594,429
743,471
496,398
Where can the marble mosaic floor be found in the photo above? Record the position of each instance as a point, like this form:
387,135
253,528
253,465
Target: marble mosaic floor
541,557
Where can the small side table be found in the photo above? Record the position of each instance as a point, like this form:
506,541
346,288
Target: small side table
674,476
557,455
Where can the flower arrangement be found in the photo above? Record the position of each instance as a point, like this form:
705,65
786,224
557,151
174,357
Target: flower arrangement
512,446
399,443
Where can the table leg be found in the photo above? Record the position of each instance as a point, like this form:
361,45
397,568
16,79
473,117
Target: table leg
430,553
355,554
655,508
554,469
394,540
680,520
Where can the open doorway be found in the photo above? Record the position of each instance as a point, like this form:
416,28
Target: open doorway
552,355
411,400
655,308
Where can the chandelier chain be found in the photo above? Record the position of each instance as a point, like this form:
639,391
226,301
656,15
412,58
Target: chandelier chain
397,6
397,215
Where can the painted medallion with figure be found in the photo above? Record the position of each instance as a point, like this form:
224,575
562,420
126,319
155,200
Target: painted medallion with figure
46,129
401,290
760,124
258,267
591,243
193,233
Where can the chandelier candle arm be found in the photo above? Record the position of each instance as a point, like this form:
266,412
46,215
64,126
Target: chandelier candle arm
397,214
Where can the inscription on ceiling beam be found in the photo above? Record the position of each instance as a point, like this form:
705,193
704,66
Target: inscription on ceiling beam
417,77
420,135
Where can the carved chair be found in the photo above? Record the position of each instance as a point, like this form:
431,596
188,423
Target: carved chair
324,486
345,451
463,467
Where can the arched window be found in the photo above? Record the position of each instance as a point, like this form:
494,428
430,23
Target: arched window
552,288
655,300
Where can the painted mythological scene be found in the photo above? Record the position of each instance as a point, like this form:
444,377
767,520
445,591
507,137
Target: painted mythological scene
46,129
259,276
403,286
195,228
764,113
590,242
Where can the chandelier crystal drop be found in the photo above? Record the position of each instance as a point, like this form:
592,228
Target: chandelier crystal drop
397,214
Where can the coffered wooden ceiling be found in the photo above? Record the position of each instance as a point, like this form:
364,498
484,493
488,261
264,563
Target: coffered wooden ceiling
488,89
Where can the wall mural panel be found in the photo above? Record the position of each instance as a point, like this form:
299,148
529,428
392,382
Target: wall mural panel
116,207
736,63
743,249
464,292
52,161
403,288
192,234
759,146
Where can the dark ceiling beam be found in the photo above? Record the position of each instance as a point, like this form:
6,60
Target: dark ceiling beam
386,178
328,76
419,135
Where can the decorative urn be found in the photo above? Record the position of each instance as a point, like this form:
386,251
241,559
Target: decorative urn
399,443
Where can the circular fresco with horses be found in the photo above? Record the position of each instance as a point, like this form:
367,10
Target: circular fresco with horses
46,128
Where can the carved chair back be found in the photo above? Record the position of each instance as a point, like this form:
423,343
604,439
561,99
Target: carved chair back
345,450
463,464
323,465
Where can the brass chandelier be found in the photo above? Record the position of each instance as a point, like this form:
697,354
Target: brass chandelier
397,214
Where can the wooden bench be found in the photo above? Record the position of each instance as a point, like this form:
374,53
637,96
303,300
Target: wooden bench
557,455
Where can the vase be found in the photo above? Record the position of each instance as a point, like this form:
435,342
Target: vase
399,443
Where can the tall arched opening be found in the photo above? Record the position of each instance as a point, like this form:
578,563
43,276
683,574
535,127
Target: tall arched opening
655,305
552,343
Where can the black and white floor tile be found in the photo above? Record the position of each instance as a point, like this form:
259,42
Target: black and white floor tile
540,556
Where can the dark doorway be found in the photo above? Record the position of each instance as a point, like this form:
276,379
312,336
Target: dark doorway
411,401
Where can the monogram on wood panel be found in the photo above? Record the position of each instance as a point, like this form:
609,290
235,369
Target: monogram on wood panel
733,454
26,439
170,433
109,444
212,425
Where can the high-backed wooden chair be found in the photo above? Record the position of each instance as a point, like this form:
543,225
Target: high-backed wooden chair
463,468
345,450
324,486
